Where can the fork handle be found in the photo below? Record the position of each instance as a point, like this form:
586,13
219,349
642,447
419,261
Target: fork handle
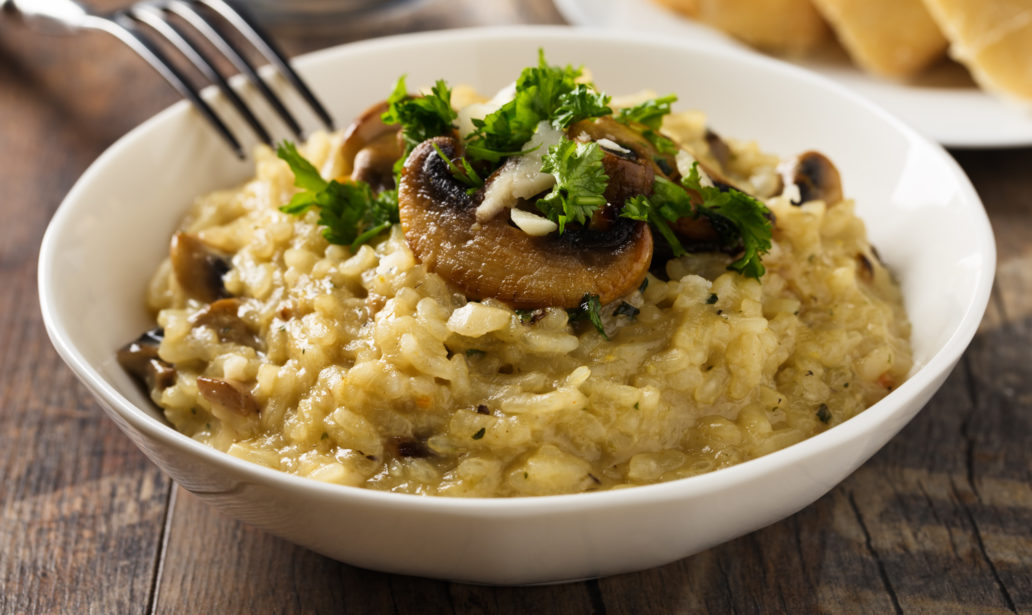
49,16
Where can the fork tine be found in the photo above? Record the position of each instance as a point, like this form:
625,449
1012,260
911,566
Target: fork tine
257,37
123,26
154,17
208,30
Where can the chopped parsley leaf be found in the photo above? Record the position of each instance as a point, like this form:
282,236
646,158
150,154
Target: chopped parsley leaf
540,92
736,216
580,103
580,181
823,413
589,308
650,113
421,117
350,211
745,213
480,433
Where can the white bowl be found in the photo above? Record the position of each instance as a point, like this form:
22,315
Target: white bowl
922,213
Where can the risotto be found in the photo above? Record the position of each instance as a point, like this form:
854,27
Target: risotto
374,364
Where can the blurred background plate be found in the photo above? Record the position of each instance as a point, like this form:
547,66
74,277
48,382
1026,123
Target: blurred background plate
319,13
944,104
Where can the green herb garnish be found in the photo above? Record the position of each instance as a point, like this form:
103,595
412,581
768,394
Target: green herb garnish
748,216
734,214
480,433
579,104
350,211
589,308
540,92
823,413
650,114
421,117
580,181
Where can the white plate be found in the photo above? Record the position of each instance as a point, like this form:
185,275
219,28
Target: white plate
112,230
944,104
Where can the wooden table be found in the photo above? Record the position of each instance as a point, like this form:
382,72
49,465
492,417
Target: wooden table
940,521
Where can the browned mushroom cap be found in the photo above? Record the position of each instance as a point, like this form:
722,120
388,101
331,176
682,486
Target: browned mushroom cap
817,178
370,149
496,259
140,358
228,394
198,267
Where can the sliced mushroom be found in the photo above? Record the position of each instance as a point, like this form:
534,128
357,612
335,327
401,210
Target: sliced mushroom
864,268
371,148
817,178
628,177
223,316
228,394
198,267
718,148
140,358
495,259
627,137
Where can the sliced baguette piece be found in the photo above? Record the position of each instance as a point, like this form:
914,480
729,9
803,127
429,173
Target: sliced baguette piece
685,7
891,38
790,27
993,38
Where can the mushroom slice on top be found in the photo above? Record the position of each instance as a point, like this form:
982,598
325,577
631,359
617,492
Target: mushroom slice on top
370,148
606,129
817,178
493,258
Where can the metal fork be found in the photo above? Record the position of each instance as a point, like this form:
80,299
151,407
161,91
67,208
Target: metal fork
66,16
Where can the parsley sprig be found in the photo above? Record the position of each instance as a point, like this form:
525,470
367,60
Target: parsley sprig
736,216
650,114
580,103
349,211
580,181
543,93
420,117
589,308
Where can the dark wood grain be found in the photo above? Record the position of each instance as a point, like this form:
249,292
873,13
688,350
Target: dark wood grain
939,521
81,511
